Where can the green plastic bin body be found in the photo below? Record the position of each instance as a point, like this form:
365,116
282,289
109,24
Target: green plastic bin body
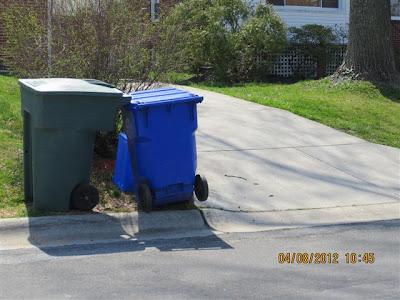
61,118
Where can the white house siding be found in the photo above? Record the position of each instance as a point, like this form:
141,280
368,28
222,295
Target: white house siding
299,15
296,16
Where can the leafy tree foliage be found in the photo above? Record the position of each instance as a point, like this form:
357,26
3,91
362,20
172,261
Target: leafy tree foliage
228,40
316,42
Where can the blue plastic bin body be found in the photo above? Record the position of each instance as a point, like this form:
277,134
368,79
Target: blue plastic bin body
160,125
123,176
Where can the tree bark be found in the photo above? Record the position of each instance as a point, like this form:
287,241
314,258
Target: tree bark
369,51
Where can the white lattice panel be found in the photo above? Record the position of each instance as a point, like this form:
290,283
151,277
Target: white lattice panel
292,63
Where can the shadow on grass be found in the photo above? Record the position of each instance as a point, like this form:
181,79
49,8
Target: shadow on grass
390,91
202,80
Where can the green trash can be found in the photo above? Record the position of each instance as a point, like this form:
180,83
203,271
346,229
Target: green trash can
61,118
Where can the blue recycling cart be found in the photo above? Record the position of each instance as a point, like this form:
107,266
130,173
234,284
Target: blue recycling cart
160,126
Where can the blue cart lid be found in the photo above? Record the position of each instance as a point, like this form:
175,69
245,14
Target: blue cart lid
164,96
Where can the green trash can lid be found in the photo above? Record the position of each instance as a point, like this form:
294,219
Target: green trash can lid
70,86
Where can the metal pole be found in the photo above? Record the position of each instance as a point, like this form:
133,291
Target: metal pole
49,38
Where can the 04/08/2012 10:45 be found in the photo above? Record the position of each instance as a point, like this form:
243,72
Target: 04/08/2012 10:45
325,258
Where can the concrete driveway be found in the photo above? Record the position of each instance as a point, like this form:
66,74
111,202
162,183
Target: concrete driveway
269,168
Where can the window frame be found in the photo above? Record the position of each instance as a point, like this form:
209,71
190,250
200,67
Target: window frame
310,8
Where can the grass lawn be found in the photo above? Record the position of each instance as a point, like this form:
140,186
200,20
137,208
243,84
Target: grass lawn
11,175
359,108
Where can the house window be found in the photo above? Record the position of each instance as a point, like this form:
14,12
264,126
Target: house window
155,9
277,2
309,3
395,6
313,3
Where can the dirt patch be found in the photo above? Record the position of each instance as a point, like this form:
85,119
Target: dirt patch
112,199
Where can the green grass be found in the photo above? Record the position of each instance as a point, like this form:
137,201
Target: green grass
11,191
12,203
368,111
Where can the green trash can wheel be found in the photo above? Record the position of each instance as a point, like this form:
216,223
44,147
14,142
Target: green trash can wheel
84,197
145,197
201,187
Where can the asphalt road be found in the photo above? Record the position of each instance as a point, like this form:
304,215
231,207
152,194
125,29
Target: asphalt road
217,266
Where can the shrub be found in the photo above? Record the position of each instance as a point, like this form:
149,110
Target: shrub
219,37
2,65
261,39
110,40
397,58
25,49
314,43
206,27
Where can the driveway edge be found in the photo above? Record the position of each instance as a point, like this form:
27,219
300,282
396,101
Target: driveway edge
231,221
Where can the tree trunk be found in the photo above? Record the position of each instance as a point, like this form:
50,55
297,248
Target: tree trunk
369,50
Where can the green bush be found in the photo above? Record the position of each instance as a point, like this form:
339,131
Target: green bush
262,38
227,39
314,43
397,58
25,49
110,40
206,28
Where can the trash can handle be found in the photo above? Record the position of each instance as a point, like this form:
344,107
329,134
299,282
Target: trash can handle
98,82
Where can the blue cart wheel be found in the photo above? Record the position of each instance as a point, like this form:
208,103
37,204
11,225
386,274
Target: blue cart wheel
145,197
201,187
84,197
